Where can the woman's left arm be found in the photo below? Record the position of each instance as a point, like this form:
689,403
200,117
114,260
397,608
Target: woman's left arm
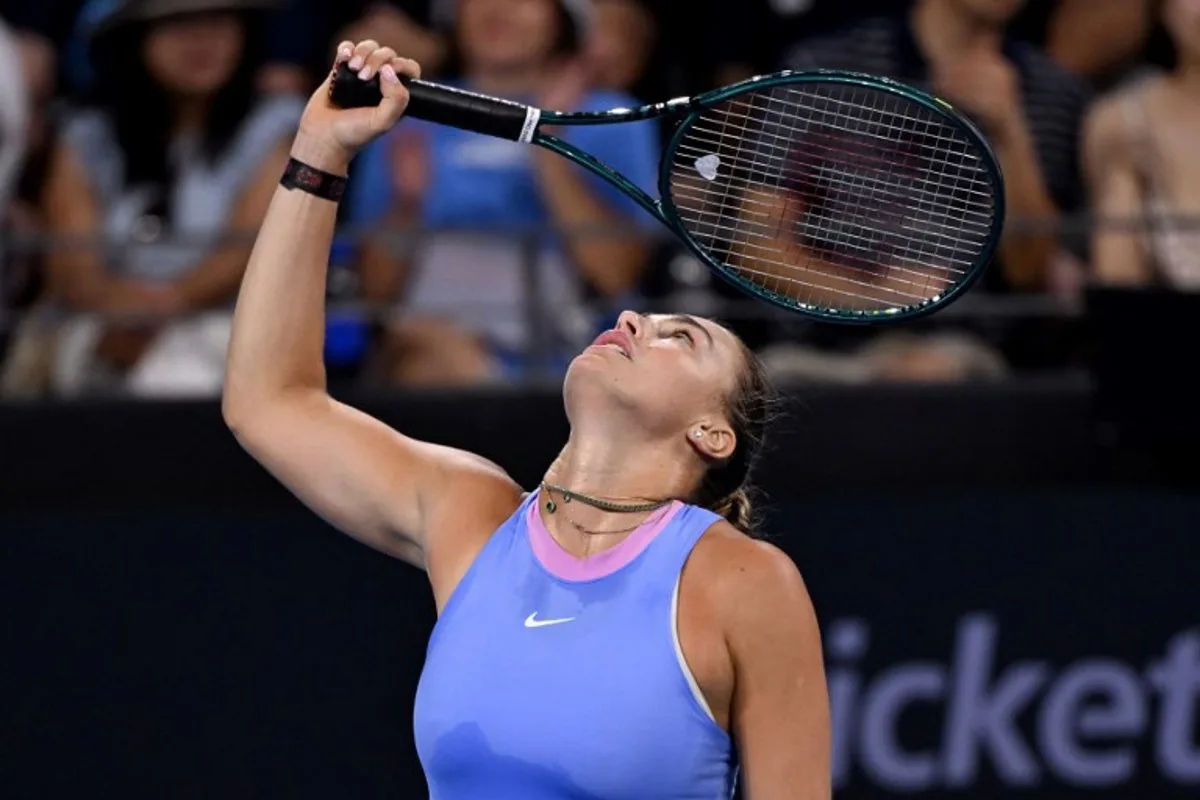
215,279
780,713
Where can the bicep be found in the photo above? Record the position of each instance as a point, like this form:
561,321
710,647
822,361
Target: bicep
364,478
781,716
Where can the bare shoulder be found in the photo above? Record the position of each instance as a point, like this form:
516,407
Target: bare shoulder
1108,122
750,581
1104,126
492,493
477,496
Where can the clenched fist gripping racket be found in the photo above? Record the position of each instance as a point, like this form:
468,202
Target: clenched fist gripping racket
837,195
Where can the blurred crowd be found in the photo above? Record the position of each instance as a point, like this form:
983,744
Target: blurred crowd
141,141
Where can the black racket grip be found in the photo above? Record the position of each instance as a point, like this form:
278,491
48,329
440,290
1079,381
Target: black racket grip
441,104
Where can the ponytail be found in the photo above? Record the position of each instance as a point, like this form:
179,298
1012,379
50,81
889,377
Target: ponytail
737,509
725,488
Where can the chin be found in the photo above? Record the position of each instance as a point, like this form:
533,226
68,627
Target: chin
591,381
592,362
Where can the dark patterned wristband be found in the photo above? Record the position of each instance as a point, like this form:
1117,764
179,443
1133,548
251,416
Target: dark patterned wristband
326,185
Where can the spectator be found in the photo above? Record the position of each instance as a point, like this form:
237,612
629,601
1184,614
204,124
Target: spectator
621,45
1099,40
1029,107
1142,162
14,116
173,142
26,86
752,39
40,29
303,35
466,301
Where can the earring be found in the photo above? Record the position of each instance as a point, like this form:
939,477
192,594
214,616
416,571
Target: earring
699,434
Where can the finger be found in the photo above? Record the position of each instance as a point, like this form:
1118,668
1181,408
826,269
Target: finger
395,99
406,67
399,68
345,51
375,60
361,51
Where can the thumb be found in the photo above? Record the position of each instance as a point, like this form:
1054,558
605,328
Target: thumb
395,94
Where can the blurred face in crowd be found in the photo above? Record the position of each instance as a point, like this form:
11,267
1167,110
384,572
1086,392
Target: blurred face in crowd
507,34
194,55
620,42
994,12
656,374
1182,20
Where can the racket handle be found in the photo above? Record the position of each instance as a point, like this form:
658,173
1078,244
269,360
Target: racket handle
441,104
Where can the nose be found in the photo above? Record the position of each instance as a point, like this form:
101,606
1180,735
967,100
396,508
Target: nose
630,322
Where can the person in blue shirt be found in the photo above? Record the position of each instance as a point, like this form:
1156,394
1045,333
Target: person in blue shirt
468,290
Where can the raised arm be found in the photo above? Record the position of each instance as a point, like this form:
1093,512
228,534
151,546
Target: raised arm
1116,195
366,479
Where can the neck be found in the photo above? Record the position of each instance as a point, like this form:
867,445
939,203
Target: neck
189,113
943,29
620,471
510,82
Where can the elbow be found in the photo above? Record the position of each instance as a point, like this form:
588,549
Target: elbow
235,410
248,407
242,400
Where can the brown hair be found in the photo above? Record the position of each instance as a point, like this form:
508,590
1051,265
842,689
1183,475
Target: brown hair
726,488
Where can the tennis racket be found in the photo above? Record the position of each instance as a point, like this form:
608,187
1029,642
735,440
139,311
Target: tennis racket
840,196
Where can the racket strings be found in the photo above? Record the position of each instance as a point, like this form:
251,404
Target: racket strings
833,150
896,192
752,205
847,235
824,226
834,195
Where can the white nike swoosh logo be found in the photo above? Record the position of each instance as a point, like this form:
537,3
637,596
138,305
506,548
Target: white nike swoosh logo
533,622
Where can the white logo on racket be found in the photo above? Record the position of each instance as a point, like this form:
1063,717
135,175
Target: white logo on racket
708,165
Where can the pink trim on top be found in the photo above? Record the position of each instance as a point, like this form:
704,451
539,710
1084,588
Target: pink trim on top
569,568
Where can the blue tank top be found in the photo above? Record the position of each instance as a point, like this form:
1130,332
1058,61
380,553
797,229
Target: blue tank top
549,678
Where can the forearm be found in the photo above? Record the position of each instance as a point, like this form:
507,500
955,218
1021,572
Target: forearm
1025,257
1118,260
279,323
383,266
215,279
78,289
611,261
80,283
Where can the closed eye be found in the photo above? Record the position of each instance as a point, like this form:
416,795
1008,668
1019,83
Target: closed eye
684,334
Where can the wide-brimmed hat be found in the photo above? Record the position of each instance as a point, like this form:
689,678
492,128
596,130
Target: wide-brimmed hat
123,13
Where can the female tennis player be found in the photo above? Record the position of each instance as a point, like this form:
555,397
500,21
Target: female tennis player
614,633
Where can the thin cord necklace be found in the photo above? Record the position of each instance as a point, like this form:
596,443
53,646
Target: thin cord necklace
604,505
600,503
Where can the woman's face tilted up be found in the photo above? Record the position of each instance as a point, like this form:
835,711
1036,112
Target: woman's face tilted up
660,376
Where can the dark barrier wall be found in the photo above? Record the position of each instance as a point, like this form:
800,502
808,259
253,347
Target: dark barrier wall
1001,616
